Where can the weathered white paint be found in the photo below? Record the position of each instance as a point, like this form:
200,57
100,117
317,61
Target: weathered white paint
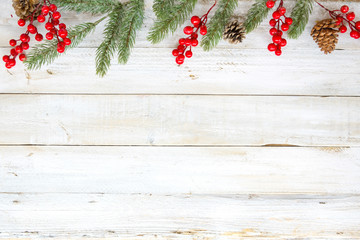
237,180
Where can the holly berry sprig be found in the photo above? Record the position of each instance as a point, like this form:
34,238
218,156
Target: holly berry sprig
279,23
343,17
199,25
53,25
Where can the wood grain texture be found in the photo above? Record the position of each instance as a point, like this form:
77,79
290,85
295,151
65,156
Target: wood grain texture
180,170
178,120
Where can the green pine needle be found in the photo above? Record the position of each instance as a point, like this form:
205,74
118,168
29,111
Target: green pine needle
170,22
256,14
217,24
106,50
87,6
160,7
300,15
46,53
132,21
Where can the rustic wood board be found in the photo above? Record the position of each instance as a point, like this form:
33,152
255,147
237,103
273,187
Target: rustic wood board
235,144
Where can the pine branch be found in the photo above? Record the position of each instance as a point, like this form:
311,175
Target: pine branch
46,53
256,14
162,8
300,15
87,6
106,50
217,24
132,21
170,22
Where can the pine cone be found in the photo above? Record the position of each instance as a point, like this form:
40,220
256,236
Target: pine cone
234,32
24,8
325,34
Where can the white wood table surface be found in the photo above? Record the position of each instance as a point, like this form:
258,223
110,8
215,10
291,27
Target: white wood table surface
235,144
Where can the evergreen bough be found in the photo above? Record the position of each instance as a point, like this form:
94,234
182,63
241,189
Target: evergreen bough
300,15
256,14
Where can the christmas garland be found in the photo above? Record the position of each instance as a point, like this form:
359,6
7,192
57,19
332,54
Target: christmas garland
125,19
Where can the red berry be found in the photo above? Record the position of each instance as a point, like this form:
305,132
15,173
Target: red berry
350,16
188,54
272,22
343,29
22,57
18,49
175,52
288,21
273,31
39,37
279,32
12,42
49,36
276,15
45,10
203,30
56,15
194,42
195,20
187,42
12,62
6,58
53,7
60,49
25,45
283,42
278,52
182,41
271,47
67,41
63,33
282,10
53,31
188,30
285,27
276,38
270,4
55,22
178,61
181,57
61,44
181,48
31,28
344,9
357,25
13,52
21,22
49,26
7,65
194,35
62,25
41,18
354,34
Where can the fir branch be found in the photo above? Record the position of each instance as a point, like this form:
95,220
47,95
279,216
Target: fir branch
170,22
256,15
106,50
132,21
300,15
217,24
87,6
46,53
163,8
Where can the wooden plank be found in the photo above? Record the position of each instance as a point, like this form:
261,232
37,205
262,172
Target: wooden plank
179,217
153,71
178,120
247,68
180,170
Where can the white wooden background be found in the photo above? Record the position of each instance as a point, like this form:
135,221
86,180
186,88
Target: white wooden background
235,144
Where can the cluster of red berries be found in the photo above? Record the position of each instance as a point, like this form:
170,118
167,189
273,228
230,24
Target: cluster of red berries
199,26
342,17
279,23
53,25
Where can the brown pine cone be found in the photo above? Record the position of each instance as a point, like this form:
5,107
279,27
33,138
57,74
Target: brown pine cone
325,34
24,8
234,32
